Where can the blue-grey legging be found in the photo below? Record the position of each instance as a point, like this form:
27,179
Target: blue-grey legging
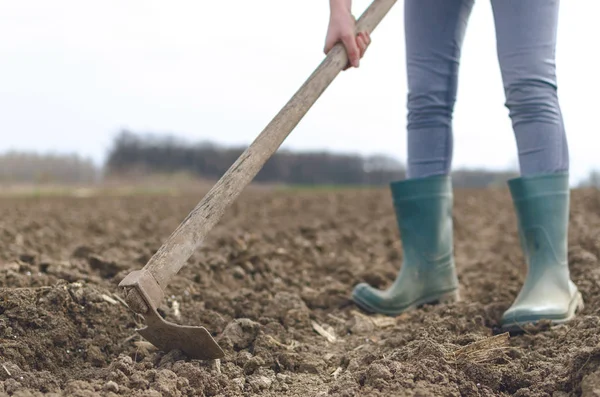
525,40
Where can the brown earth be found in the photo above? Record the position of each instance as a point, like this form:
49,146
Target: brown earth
276,265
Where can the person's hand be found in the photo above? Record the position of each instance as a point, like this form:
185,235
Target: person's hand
342,27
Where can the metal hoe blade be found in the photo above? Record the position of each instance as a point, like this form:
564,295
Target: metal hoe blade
195,342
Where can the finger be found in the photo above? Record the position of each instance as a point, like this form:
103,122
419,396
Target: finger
362,45
352,49
366,38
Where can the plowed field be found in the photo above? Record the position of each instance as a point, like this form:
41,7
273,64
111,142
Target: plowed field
272,284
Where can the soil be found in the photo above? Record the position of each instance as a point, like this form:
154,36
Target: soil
272,284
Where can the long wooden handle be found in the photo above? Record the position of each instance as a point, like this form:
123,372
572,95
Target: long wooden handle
171,257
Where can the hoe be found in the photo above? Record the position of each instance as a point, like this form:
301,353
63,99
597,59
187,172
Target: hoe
144,289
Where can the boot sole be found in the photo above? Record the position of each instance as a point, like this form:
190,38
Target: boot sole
446,297
576,306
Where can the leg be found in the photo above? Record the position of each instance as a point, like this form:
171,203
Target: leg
526,36
423,203
526,42
434,32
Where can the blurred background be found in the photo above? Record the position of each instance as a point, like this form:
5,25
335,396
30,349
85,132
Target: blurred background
118,93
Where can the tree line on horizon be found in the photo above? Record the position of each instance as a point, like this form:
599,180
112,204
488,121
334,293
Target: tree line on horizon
167,154
147,154
20,168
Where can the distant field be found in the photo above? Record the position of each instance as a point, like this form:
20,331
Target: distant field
133,189
71,191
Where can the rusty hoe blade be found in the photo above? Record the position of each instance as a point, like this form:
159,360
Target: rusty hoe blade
195,342
144,289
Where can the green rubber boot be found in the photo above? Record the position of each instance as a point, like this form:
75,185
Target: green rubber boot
542,207
424,214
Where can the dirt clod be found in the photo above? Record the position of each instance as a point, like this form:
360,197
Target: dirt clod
590,385
240,333
111,386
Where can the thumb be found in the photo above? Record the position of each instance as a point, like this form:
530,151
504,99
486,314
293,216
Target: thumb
329,43
352,49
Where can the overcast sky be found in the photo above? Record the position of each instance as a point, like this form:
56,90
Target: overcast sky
73,73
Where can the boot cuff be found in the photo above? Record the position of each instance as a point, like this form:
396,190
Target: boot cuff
539,185
433,186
